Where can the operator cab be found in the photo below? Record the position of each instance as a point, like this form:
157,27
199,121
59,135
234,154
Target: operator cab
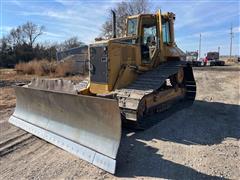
145,29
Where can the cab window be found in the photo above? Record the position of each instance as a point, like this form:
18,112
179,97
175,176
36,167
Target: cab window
132,27
149,34
165,31
149,38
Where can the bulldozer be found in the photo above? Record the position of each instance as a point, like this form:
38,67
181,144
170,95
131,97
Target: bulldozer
130,78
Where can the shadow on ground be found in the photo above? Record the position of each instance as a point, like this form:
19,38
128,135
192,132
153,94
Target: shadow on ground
203,123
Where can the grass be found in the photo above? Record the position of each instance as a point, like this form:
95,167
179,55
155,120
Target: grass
45,68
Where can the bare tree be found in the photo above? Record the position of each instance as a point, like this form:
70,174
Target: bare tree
70,43
123,10
16,36
32,32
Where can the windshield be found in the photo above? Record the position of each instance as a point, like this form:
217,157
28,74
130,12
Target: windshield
132,27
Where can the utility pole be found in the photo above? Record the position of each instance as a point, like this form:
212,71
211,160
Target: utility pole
199,50
231,38
218,49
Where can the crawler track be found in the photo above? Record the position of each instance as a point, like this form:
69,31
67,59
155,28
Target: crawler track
151,82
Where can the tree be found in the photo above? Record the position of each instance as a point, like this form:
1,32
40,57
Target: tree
20,45
123,10
3,43
32,32
70,43
16,36
7,58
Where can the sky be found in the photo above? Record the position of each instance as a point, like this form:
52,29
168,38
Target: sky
66,18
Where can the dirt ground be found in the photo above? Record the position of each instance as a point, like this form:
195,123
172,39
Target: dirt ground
187,142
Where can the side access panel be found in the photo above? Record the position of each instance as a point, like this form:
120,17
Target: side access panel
89,127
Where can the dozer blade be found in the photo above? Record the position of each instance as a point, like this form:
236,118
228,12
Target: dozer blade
89,127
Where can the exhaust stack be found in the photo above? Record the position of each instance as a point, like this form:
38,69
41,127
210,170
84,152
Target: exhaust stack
114,31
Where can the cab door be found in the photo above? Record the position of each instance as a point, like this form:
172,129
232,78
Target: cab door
149,38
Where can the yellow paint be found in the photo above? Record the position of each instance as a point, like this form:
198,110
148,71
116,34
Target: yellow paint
96,88
126,77
124,54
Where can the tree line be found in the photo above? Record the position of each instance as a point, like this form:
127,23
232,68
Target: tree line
21,45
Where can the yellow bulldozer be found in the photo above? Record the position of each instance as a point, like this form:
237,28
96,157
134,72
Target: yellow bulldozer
130,78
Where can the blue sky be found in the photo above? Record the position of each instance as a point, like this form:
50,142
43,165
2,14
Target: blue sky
66,18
